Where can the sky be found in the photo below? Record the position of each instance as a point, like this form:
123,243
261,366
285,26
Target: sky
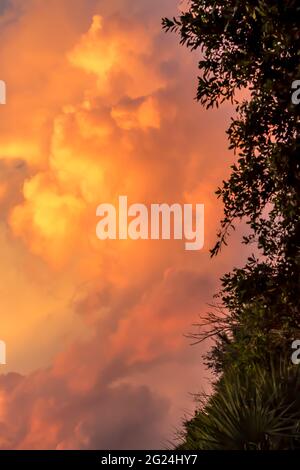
101,103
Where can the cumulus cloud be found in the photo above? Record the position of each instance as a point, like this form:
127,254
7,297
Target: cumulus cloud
116,416
103,107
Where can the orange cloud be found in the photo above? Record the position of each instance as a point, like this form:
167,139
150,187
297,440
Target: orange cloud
100,104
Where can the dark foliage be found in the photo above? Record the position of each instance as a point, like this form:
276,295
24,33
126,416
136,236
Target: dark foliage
256,411
250,55
253,48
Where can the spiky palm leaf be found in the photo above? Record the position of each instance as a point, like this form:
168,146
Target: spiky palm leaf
260,410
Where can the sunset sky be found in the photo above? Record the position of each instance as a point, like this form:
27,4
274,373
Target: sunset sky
100,103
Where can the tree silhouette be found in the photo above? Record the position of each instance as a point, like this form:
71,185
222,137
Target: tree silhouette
250,55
